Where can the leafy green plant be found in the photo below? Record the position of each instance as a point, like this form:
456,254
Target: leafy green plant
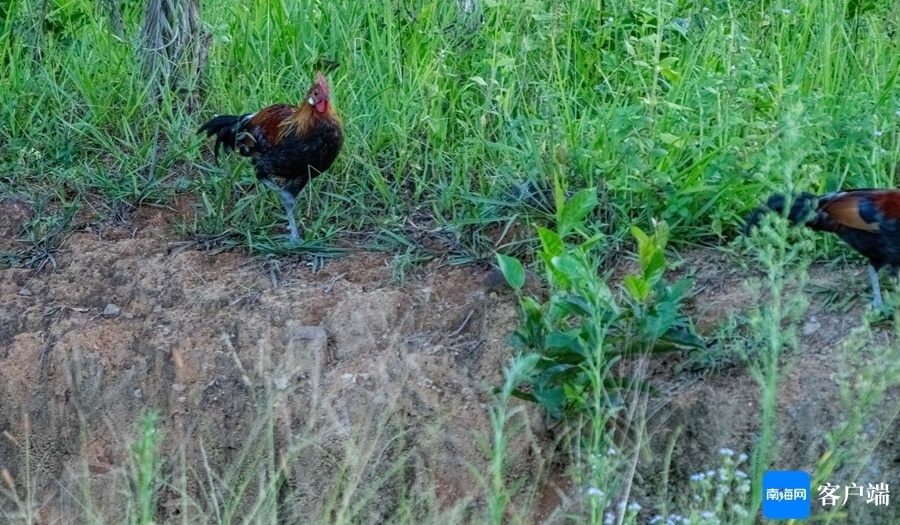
584,326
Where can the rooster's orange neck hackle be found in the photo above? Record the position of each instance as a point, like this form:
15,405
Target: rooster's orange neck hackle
316,107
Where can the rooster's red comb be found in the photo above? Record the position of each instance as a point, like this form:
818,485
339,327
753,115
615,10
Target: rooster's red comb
320,80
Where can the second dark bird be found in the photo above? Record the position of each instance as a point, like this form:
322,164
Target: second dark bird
866,219
291,143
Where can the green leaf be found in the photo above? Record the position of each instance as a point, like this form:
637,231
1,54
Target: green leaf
659,318
563,373
675,292
637,287
558,279
646,248
588,244
574,394
545,364
522,395
576,209
575,305
654,266
552,399
682,339
672,140
551,243
531,308
568,340
512,271
568,265
639,234
565,356
520,339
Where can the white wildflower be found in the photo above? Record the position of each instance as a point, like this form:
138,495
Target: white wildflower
726,452
594,491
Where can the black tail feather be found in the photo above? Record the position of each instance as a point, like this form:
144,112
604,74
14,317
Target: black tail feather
226,129
802,209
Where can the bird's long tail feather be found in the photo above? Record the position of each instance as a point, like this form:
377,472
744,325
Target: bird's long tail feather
226,128
802,208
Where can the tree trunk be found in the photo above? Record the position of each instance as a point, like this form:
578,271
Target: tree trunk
173,48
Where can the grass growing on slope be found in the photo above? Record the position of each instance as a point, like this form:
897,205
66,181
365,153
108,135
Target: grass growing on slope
671,108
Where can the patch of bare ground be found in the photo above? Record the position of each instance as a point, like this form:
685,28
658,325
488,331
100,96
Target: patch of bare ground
356,373
359,373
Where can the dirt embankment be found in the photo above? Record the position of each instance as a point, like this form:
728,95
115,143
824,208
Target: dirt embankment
351,372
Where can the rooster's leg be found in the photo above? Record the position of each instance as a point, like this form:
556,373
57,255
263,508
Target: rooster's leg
289,201
876,288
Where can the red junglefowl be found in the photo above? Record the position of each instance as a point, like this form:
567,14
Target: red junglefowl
293,143
866,219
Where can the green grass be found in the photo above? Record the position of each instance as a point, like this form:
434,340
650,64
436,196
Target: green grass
687,112
673,109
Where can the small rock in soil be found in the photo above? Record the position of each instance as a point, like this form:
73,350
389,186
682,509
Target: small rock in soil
111,310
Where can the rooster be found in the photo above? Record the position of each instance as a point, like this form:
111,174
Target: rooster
866,219
293,143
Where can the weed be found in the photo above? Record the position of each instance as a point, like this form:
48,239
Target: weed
583,330
146,470
718,496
